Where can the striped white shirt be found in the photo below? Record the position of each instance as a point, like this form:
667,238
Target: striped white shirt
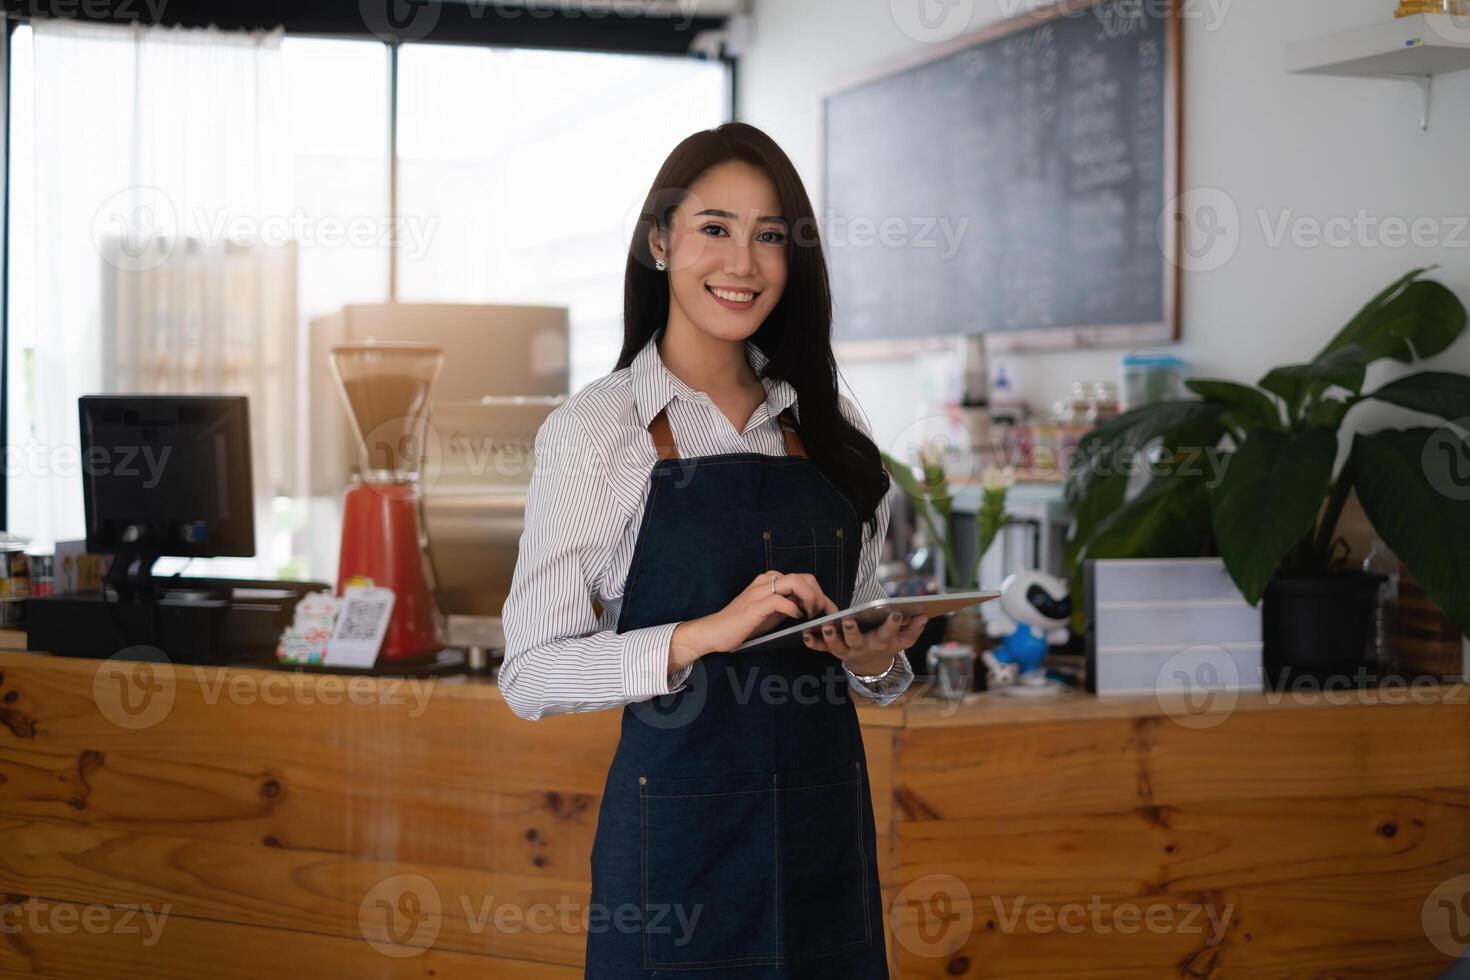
584,508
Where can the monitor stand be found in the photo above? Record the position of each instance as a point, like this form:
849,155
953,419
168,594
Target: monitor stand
132,585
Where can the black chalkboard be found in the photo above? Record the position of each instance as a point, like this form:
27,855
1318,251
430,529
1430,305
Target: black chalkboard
1013,184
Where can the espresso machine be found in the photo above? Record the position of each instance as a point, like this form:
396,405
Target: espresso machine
505,369
386,388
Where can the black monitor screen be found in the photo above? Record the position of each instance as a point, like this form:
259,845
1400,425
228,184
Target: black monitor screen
167,474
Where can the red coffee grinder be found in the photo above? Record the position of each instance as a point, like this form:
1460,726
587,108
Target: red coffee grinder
386,388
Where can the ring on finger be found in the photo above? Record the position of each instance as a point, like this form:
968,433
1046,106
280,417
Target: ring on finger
773,583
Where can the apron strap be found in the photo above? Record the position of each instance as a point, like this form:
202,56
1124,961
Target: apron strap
663,436
788,428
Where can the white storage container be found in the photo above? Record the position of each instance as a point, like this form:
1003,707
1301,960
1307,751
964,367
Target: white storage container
1163,625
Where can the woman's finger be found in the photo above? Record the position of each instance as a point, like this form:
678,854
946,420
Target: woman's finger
824,602
836,644
779,603
887,632
800,587
857,641
909,635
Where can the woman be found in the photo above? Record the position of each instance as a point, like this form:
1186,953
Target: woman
712,486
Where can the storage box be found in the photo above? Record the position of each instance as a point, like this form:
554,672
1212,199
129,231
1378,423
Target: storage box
1159,625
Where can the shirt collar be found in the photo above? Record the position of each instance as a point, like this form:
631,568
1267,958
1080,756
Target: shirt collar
654,385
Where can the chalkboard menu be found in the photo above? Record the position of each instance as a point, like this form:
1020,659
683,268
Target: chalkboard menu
1012,186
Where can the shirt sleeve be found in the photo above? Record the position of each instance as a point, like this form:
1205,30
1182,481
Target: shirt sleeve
556,657
867,588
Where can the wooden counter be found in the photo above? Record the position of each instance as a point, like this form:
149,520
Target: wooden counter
277,818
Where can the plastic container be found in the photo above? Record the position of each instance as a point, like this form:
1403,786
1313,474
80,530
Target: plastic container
1146,378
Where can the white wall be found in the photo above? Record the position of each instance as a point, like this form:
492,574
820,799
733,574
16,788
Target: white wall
1318,148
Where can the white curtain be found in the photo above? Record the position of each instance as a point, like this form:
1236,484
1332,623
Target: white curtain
151,246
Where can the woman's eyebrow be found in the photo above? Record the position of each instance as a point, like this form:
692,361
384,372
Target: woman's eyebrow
716,212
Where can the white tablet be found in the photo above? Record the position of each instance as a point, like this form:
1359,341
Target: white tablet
869,615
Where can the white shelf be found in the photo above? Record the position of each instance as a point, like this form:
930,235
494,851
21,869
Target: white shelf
1422,45
1412,49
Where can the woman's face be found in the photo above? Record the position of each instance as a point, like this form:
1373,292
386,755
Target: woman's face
727,251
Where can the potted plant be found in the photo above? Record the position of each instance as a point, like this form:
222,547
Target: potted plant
1251,473
927,485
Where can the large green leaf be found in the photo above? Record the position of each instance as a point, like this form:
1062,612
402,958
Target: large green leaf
1170,518
1268,500
1247,404
1098,478
1420,506
1103,498
1412,317
1432,392
1356,326
1112,445
1344,367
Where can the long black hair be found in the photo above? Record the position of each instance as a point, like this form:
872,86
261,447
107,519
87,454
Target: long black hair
797,335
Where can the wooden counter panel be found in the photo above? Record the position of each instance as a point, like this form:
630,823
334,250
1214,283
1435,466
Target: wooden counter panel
282,888
1325,830
454,781
1172,849
312,720
530,831
188,949
1111,764
1329,926
268,824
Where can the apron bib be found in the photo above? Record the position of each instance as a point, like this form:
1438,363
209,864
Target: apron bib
735,836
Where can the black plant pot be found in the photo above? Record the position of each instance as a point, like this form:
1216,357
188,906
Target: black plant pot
1320,630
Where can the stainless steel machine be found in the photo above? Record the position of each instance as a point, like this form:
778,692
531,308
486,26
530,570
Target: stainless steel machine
505,369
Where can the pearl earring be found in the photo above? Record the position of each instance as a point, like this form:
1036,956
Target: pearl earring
659,265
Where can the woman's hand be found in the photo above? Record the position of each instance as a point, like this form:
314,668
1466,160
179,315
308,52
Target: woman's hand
754,611
866,653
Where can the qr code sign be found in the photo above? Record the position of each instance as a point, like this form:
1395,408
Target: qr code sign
361,617
362,622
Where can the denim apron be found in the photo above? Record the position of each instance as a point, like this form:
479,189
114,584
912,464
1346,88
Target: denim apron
735,837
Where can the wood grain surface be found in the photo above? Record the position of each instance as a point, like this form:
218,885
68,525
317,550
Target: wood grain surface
312,826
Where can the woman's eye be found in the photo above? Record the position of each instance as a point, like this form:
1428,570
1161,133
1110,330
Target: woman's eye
777,238
714,228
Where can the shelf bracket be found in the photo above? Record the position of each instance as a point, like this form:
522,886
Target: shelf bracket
1425,84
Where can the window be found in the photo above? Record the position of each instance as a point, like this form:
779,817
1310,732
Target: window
528,167
517,179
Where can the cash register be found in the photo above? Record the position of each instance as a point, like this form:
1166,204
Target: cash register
167,475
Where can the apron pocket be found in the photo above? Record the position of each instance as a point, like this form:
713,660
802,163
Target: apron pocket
823,863
815,549
709,876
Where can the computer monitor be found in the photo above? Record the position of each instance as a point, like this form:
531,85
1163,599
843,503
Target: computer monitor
166,475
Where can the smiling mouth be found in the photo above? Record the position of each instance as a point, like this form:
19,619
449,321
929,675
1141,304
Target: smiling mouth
737,297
